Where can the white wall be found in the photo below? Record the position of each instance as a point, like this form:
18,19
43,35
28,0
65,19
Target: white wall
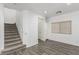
30,28
66,38
27,23
1,27
10,15
19,23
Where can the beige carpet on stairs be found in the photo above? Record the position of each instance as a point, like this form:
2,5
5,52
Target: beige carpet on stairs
12,41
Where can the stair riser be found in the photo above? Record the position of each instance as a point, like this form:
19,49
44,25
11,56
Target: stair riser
12,37
10,30
9,41
10,27
10,34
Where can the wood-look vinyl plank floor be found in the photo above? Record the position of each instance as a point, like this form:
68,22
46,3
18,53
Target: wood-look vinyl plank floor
50,48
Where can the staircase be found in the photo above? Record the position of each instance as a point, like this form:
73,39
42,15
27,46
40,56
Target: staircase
12,42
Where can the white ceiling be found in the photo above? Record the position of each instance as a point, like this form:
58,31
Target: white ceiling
39,8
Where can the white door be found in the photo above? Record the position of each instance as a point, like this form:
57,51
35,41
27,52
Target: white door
41,28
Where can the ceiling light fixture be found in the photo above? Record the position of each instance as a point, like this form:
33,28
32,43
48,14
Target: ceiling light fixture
45,12
68,4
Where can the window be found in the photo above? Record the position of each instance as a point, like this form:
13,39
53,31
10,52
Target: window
62,27
55,27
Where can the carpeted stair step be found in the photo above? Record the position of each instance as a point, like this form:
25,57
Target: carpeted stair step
12,40
10,37
13,49
8,45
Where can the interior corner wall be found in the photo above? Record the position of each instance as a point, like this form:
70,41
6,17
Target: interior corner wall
10,15
65,38
1,26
